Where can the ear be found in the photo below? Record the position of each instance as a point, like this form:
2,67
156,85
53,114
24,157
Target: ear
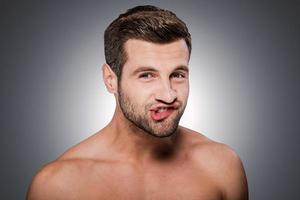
110,79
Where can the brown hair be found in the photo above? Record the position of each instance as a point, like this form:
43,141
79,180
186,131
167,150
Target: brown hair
147,23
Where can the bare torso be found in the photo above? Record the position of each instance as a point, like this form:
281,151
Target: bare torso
99,180
194,171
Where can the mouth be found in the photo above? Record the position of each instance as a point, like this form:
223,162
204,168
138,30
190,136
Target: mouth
160,113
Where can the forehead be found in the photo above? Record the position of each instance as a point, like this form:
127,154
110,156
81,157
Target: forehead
141,53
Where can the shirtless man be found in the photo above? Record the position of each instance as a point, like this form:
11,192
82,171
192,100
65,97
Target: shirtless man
143,153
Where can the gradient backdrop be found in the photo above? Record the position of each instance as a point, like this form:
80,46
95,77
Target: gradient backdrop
245,82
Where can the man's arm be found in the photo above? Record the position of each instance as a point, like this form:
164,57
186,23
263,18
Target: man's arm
38,185
234,178
48,183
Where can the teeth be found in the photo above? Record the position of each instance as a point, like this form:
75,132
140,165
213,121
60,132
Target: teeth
161,109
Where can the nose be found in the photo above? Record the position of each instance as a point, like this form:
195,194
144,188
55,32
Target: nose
166,93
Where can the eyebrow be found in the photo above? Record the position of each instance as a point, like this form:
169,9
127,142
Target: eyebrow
143,69
182,67
148,68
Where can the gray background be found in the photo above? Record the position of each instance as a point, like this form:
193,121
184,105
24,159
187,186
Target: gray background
244,84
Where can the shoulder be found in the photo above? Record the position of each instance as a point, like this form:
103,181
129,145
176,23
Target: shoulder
68,174
64,178
94,147
221,163
203,148
230,173
51,179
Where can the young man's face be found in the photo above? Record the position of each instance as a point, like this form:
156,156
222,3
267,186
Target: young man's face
154,87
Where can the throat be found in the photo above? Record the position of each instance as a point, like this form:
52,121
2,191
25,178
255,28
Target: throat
164,153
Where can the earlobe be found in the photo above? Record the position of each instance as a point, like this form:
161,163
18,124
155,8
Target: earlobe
109,78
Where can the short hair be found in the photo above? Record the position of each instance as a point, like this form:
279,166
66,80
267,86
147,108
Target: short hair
148,23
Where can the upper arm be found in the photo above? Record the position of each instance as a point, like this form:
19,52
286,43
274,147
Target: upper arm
225,169
47,184
37,187
234,181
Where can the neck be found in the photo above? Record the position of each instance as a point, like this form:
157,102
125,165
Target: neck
136,144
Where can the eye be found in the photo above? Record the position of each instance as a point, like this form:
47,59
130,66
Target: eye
146,75
178,75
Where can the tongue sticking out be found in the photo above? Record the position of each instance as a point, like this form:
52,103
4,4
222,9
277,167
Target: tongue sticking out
162,114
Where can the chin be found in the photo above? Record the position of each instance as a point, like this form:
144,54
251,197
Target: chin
159,133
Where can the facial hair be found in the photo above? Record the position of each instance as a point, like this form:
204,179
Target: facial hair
141,119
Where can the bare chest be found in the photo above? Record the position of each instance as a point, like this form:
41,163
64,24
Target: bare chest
148,185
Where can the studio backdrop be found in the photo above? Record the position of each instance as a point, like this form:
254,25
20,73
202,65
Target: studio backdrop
244,84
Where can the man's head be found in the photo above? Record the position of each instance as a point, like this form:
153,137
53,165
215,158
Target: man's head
148,23
147,49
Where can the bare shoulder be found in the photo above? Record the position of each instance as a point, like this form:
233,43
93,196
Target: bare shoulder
68,179
71,172
204,148
222,164
87,148
51,180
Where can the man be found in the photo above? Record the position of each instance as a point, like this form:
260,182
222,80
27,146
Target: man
143,153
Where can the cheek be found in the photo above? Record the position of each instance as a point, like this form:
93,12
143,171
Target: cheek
139,96
144,91
183,91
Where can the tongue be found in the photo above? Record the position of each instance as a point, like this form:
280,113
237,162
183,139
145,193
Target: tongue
161,115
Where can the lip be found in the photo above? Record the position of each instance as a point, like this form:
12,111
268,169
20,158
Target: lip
159,116
158,106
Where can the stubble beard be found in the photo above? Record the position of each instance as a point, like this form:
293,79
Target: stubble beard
141,119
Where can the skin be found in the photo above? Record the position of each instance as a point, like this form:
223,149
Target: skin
158,160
